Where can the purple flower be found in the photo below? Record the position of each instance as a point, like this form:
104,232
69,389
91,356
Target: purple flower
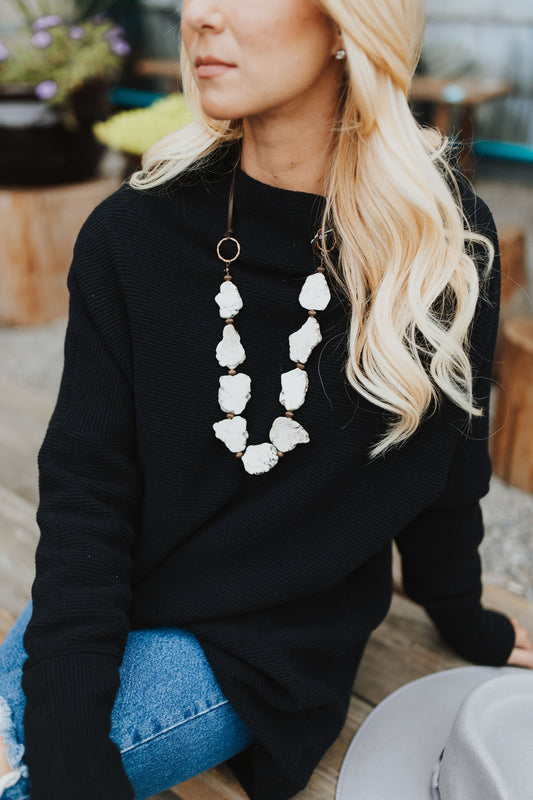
116,30
47,21
46,89
4,52
76,32
41,39
119,46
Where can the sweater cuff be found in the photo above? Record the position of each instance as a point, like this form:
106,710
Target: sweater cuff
67,721
479,635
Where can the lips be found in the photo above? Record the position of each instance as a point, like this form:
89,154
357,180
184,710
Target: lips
211,67
203,60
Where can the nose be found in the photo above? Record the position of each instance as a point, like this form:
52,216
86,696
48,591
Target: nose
202,15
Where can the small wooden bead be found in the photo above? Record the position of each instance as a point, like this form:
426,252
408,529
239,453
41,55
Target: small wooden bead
300,365
230,415
321,269
229,321
232,371
280,454
228,277
289,413
239,455
312,312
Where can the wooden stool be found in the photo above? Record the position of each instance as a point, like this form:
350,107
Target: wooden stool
511,445
38,228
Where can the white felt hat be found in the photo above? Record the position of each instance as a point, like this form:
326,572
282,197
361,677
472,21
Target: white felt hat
459,734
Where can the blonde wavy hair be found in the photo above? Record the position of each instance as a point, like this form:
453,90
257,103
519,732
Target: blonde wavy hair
403,259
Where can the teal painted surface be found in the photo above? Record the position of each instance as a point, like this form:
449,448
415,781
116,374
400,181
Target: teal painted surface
508,151
138,98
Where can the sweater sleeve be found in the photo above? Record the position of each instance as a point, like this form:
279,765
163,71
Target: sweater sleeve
441,564
89,495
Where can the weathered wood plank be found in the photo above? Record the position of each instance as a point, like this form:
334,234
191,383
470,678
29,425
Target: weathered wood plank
217,782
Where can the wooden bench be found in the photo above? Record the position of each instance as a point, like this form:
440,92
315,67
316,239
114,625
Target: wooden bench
404,647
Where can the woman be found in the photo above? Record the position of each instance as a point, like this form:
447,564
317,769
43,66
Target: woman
206,579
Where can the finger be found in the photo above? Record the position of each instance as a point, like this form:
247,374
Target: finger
521,658
522,638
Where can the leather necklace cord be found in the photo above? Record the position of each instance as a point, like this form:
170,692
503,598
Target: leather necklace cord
229,230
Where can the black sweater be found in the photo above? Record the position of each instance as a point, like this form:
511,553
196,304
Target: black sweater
146,519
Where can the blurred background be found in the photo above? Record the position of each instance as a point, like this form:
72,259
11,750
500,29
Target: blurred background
86,87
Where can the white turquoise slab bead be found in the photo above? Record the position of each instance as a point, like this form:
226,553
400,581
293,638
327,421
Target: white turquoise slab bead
234,392
229,299
230,352
286,433
315,292
294,385
232,432
259,458
302,341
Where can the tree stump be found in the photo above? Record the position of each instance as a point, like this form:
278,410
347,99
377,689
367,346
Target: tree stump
511,444
38,229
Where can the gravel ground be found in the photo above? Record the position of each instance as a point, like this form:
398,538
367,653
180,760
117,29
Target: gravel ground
34,356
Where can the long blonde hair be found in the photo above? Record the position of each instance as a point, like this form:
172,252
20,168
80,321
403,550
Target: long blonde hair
401,227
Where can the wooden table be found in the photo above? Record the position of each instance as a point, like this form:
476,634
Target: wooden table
470,93
404,647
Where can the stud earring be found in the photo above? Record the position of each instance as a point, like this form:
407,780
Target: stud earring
340,54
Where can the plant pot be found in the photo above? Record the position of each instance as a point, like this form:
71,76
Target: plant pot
37,148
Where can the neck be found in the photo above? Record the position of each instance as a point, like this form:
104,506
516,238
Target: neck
291,150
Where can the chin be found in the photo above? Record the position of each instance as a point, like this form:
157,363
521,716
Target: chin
216,111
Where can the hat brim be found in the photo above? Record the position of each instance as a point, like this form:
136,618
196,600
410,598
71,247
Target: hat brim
392,755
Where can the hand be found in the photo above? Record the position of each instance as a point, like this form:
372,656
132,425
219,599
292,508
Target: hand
522,652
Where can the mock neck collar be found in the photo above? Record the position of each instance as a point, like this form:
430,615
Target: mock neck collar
274,226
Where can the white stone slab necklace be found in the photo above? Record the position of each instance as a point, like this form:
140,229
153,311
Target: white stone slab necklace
234,387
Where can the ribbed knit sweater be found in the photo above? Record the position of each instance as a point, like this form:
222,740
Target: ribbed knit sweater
147,519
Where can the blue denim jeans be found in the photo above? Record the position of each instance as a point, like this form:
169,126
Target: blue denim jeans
170,718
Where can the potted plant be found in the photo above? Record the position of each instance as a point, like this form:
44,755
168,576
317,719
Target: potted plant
56,72
134,131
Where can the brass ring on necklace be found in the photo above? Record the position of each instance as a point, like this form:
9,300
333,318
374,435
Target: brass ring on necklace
228,239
